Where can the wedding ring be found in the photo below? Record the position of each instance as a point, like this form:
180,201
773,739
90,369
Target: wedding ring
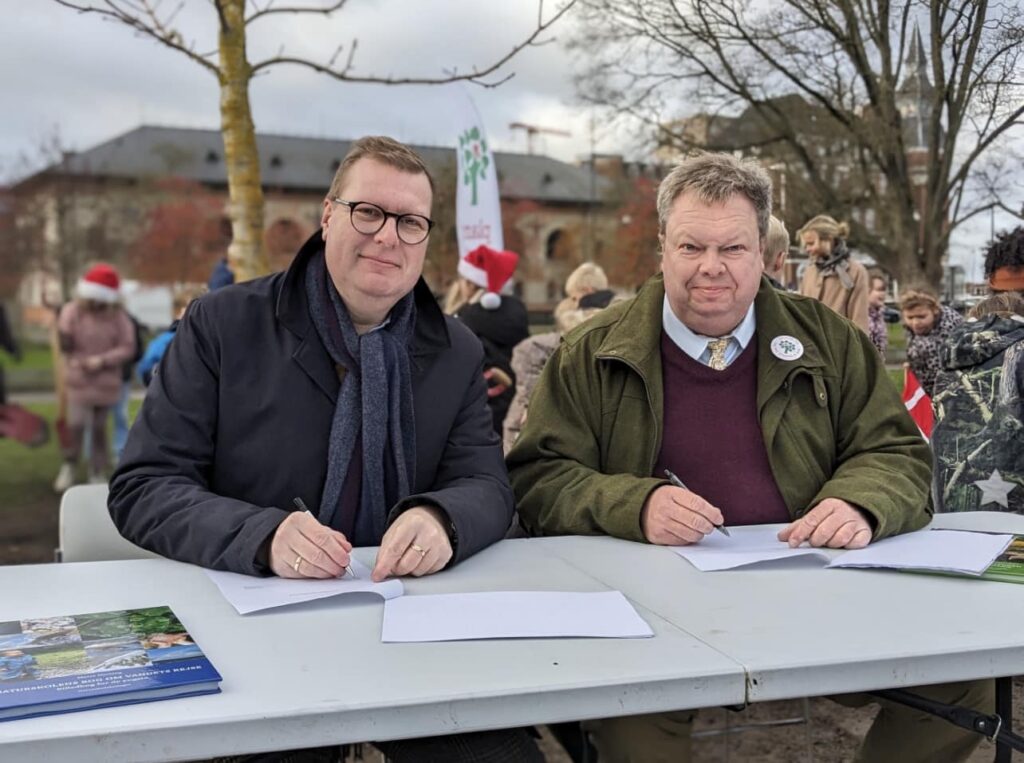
421,551
298,561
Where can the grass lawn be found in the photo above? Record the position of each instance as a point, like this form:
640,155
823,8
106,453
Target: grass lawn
34,357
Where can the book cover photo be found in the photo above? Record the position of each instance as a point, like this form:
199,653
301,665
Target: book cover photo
77,662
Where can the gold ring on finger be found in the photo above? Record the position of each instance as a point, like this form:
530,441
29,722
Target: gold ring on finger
298,561
418,549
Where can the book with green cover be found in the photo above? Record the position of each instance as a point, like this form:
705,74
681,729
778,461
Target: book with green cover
1009,565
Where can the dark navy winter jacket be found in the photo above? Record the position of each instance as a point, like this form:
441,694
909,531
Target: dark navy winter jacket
237,422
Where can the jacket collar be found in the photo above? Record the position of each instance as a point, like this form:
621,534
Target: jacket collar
634,337
430,336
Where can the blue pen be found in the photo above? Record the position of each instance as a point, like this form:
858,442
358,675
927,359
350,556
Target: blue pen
301,506
679,483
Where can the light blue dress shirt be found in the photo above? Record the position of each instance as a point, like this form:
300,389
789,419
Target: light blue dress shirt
696,345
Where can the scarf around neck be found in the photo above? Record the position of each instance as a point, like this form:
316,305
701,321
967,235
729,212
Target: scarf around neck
374,406
838,263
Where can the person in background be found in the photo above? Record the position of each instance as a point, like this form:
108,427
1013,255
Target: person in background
767,405
96,339
155,349
1004,261
120,409
530,355
499,320
10,345
978,438
877,329
222,275
353,414
928,324
776,249
832,276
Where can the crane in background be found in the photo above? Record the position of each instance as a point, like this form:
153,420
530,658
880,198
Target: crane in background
532,130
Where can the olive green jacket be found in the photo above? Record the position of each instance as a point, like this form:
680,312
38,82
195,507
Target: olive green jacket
833,423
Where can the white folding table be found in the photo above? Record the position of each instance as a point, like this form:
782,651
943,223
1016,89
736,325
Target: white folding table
317,673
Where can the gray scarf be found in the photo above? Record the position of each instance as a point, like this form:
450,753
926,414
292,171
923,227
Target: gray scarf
374,403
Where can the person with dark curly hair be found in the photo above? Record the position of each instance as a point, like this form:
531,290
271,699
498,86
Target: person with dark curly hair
1004,261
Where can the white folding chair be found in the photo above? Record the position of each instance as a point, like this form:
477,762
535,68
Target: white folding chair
87,533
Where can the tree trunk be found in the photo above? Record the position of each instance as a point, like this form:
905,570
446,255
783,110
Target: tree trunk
247,254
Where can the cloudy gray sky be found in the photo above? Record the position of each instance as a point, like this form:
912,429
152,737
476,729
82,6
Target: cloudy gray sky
93,79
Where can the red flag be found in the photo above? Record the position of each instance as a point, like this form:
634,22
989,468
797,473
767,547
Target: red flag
919,405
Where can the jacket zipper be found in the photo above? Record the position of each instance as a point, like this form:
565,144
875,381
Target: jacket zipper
652,456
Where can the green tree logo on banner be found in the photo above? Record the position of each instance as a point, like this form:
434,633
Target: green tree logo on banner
474,158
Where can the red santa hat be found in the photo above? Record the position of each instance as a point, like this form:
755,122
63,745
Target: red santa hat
100,284
489,269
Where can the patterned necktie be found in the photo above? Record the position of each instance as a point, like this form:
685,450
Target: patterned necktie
717,348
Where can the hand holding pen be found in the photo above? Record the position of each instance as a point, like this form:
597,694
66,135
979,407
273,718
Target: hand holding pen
679,483
673,518
303,548
301,506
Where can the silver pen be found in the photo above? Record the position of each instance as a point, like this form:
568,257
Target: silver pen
301,506
679,483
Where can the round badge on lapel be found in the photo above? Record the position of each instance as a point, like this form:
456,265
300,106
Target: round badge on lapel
787,347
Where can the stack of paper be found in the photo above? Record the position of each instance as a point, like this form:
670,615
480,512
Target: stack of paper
745,545
958,551
511,614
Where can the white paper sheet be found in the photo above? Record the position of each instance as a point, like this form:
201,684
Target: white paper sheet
968,553
511,614
250,594
747,545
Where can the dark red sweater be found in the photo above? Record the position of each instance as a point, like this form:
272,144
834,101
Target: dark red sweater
712,437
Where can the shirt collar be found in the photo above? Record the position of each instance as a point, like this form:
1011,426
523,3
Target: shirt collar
694,344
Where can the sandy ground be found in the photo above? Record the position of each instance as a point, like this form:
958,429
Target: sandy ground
831,736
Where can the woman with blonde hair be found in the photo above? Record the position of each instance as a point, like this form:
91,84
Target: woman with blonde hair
928,324
832,277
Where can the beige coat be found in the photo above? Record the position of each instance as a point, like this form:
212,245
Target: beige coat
850,303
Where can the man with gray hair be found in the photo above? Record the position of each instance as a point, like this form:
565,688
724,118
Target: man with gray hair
710,370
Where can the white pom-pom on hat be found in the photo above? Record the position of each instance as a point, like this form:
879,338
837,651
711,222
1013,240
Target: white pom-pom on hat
489,269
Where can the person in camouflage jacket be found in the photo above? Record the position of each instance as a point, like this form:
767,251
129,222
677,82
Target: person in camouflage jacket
978,439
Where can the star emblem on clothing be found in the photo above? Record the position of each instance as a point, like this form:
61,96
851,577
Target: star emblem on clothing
995,489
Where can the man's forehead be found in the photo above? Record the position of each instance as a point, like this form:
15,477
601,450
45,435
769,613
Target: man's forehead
690,202
370,176
734,212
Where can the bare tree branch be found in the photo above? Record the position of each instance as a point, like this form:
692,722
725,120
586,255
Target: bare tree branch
141,16
827,88
477,76
268,9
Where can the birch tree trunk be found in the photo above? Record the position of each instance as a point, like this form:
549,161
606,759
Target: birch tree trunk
247,253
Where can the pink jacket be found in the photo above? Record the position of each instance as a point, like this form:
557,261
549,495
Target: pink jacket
107,334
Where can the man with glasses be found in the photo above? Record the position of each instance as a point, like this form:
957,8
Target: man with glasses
339,387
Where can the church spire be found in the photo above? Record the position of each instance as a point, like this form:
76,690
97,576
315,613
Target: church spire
913,98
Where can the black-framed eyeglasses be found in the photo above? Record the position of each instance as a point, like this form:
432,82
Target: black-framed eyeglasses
368,218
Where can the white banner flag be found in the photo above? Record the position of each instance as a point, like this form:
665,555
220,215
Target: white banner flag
477,208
